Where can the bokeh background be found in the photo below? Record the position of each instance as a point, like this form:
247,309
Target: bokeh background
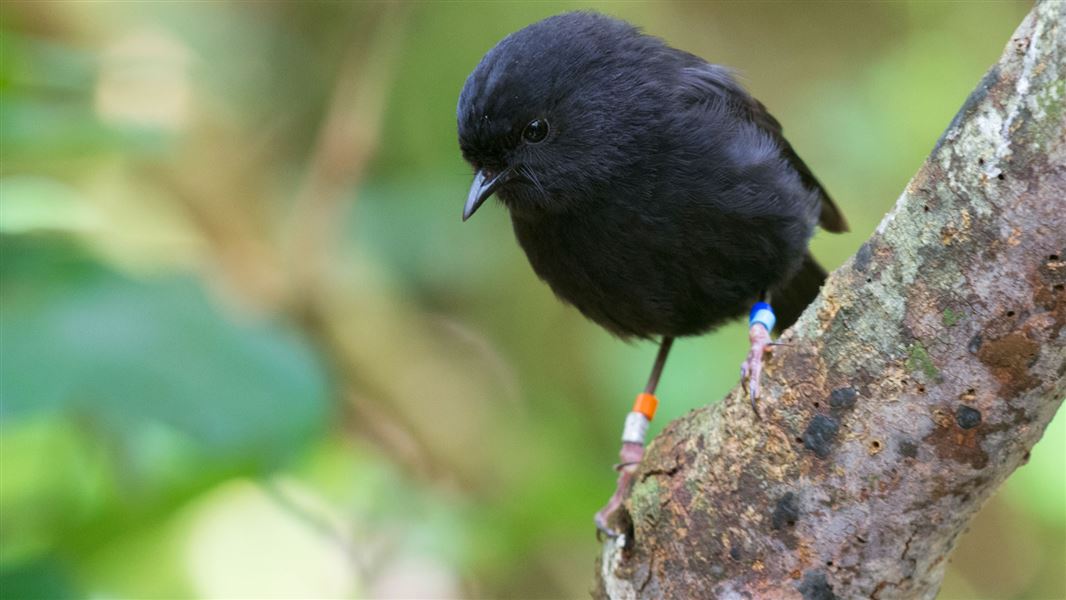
249,350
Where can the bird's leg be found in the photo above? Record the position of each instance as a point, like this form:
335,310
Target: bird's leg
636,427
760,324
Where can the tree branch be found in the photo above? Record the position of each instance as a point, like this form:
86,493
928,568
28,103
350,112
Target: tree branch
909,391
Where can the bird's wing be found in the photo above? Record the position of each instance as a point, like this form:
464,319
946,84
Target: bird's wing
717,81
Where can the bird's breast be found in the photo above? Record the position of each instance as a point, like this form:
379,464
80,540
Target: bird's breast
628,272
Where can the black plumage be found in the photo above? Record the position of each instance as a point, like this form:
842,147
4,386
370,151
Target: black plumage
646,186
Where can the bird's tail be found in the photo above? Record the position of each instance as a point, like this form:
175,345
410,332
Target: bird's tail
791,298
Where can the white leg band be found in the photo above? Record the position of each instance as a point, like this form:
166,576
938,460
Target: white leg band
635,429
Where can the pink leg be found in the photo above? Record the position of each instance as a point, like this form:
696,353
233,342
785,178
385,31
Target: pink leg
631,455
751,368
633,443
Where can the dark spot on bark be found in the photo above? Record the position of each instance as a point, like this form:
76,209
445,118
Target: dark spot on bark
828,563
863,257
799,440
1025,457
967,417
951,442
843,397
1001,177
1009,359
1048,283
786,512
907,449
816,405
876,445
819,435
925,208
816,587
1010,313
734,553
1053,257
975,344
980,161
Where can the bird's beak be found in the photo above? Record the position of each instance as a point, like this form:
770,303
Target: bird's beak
483,186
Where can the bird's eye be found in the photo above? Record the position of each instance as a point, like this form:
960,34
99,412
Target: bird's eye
535,131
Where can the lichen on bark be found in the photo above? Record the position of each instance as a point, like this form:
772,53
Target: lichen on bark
919,379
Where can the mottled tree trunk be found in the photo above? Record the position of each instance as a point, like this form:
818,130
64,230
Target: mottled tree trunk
911,388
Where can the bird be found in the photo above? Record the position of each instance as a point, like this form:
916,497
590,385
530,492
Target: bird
647,188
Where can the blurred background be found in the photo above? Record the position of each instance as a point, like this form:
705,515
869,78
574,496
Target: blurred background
249,349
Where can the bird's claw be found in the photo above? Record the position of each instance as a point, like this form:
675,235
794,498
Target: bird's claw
751,368
631,455
625,478
603,530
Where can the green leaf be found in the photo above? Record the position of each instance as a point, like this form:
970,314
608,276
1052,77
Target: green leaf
126,352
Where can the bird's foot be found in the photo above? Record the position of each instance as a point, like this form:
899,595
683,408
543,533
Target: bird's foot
631,454
751,368
761,323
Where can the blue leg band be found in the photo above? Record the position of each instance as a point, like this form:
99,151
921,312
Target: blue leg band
762,314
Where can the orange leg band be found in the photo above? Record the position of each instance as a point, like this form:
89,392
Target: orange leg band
646,404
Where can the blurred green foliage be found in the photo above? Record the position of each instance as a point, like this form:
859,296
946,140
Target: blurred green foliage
247,349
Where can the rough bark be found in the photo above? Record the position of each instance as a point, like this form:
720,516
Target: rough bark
911,388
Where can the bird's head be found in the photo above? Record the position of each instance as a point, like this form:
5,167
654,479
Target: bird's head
553,112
